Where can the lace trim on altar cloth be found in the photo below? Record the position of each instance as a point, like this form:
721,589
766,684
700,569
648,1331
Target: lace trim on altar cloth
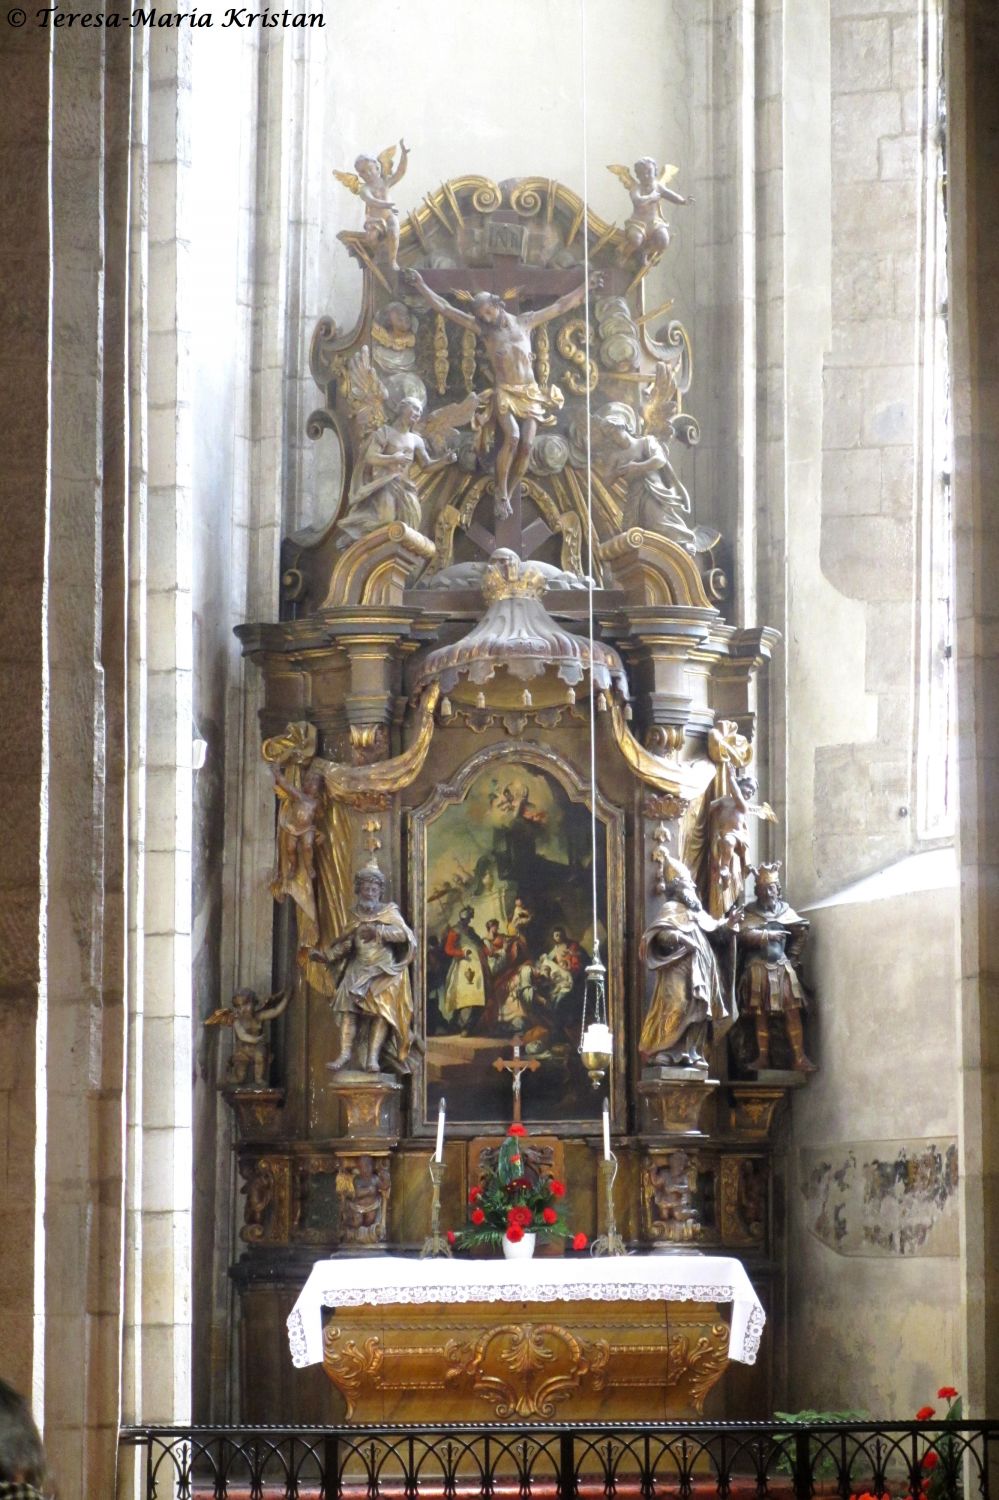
753,1335
514,1291
297,1342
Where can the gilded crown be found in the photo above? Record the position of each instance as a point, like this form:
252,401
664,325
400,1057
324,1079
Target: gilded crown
506,577
768,874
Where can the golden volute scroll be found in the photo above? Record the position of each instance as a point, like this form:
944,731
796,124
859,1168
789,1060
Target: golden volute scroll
361,786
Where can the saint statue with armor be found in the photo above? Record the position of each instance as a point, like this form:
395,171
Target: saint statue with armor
773,937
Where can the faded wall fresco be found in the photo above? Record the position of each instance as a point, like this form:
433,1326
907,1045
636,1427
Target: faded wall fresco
883,1198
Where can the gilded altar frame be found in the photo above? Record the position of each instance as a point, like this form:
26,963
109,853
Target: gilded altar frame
612,820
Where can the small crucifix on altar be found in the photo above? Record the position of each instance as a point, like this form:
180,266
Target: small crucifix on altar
517,1066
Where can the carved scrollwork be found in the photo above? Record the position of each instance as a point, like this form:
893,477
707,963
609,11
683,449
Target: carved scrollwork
700,1364
527,1369
568,346
353,1367
525,199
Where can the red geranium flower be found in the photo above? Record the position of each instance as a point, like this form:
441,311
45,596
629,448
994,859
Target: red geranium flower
579,1242
946,1393
925,1413
549,1215
478,1217
516,1130
451,1237
931,1459
514,1233
558,1188
474,1194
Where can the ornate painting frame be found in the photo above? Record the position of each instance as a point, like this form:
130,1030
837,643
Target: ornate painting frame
541,761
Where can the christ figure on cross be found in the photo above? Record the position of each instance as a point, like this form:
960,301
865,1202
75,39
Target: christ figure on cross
516,1066
516,404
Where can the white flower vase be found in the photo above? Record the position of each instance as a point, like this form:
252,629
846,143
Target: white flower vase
519,1249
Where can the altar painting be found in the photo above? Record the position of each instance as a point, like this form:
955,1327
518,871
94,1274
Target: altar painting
508,934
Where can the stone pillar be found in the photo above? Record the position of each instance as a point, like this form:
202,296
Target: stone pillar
25,251
973,113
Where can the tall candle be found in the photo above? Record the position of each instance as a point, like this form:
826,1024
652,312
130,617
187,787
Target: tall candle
607,1150
439,1149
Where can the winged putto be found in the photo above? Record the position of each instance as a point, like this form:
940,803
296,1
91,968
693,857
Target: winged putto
371,179
646,233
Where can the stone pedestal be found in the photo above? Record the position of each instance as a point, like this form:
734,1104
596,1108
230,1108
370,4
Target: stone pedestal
672,1100
370,1104
257,1111
753,1106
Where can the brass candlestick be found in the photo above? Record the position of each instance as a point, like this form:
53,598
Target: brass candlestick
610,1243
435,1243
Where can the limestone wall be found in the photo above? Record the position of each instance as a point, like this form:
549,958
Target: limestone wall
851,480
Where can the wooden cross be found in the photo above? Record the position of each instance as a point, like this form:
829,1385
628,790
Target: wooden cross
516,1065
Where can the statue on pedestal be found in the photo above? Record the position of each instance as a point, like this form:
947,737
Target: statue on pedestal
370,963
690,991
773,937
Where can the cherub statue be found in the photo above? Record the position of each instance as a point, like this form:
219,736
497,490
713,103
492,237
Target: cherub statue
370,963
773,938
392,440
646,233
393,338
371,179
248,1017
515,405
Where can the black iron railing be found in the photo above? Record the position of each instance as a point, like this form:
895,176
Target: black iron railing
585,1461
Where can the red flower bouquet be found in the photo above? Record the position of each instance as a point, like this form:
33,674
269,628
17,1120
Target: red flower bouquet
513,1200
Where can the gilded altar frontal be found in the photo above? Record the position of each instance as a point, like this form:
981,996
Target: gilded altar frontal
498,952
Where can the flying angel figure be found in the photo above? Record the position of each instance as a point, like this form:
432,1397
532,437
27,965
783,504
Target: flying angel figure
371,179
646,233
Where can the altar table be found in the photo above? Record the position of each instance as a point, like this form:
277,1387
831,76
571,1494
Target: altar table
636,1337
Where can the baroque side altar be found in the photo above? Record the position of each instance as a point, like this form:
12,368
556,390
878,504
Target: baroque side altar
511,577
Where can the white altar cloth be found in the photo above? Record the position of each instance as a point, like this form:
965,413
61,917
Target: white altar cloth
384,1280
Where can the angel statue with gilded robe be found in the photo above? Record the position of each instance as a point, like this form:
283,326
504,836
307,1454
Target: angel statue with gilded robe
646,233
250,1061
515,405
693,990
393,439
371,179
369,962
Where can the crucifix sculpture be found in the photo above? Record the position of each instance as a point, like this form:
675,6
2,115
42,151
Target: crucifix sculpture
515,405
517,1066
